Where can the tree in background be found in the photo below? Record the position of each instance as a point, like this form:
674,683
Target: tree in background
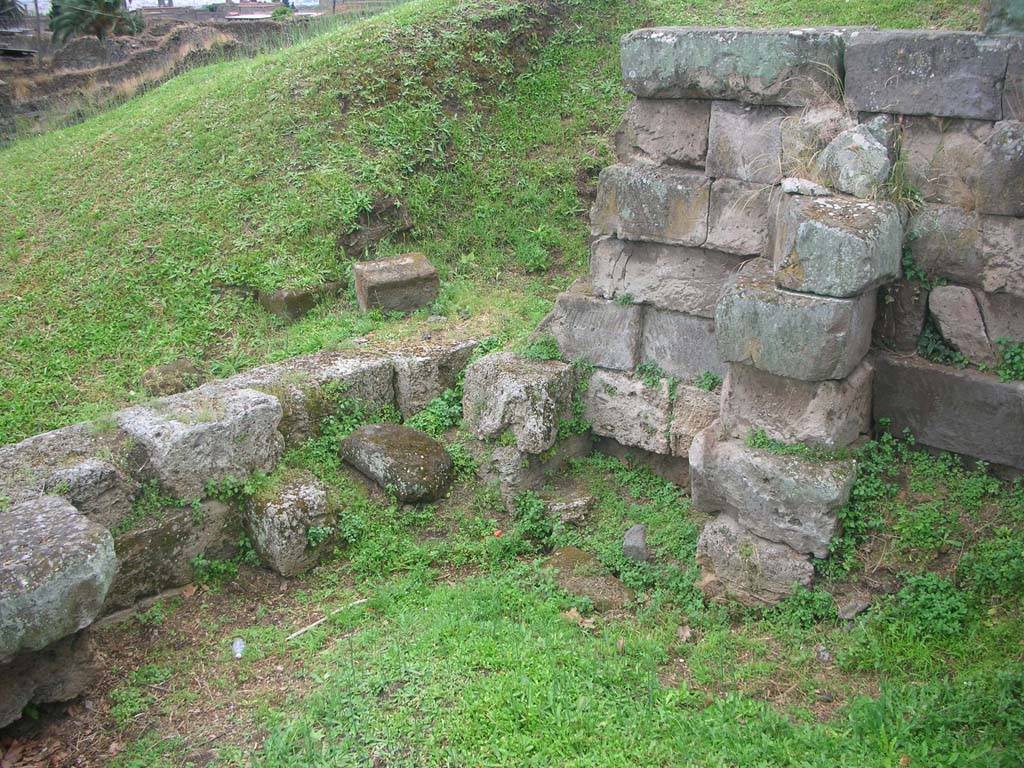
102,18
12,13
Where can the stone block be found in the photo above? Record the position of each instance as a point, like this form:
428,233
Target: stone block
672,277
515,471
626,409
745,142
806,187
737,565
1002,246
1000,191
55,569
902,307
421,377
945,241
835,246
1004,17
404,461
279,524
292,304
402,284
634,544
798,335
1004,315
792,67
921,72
681,345
693,411
959,320
1013,86
675,469
505,391
656,203
187,440
673,132
96,488
856,162
600,331
738,217
785,499
58,673
832,414
806,133
945,159
952,409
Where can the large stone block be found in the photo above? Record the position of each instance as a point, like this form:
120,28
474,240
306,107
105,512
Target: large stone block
1002,246
681,345
505,391
55,569
402,284
279,524
187,440
1000,191
832,414
791,67
738,217
421,377
791,334
737,565
902,307
745,142
834,246
58,673
652,203
600,331
856,162
952,409
404,461
945,241
515,471
693,411
806,133
785,499
1004,315
669,277
919,72
1013,86
959,320
664,132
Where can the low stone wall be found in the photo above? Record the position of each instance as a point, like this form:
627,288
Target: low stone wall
773,192
76,548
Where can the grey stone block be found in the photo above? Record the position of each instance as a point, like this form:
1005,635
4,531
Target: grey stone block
419,378
624,408
737,565
959,320
918,72
664,132
1000,189
682,345
834,246
402,284
806,187
515,471
505,391
693,411
652,203
1013,86
945,241
96,488
952,409
745,142
902,307
785,499
55,569
806,133
634,544
211,433
738,217
832,414
798,335
1002,246
793,67
1004,17
404,461
601,331
856,162
1004,315
670,277
58,673
279,524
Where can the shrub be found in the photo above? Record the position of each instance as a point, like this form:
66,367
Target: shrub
101,18
281,13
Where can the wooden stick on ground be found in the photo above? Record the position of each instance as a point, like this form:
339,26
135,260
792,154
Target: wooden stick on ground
320,621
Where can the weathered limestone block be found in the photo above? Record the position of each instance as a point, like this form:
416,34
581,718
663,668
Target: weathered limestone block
664,132
737,565
1004,17
806,187
96,488
1002,246
505,391
785,499
419,378
902,307
681,345
693,411
856,162
207,434
669,277
745,142
808,132
402,284
790,67
405,461
58,673
1000,191
515,471
944,159
952,409
292,304
738,217
833,246
945,241
581,573
1004,315
791,334
600,331
279,523
156,553
656,203
172,378
918,72
55,569
959,320
832,414
1013,86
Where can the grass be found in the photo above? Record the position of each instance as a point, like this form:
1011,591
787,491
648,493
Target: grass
248,172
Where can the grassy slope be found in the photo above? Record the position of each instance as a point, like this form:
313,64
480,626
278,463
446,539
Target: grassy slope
116,229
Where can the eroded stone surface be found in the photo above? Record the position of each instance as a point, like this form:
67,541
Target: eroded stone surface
738,217
944,159
402,284
59,672
1002,247
856,162
603,332
581,573
807,132
279,524
634,544
419,378
681,345
945,241
664,132
1000,191
405,461
745,142
516,471
902,307
1004,315
959,320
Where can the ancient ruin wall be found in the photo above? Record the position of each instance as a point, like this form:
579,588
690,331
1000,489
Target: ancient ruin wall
773,193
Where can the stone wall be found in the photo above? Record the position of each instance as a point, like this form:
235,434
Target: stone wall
771,188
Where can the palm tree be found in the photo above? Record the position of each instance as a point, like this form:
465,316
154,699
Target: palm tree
12,12
101,18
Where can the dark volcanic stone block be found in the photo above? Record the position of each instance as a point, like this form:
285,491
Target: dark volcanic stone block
402,284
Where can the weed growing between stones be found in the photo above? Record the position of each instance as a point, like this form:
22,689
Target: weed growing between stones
1011,360
708,381
542,348
758,438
